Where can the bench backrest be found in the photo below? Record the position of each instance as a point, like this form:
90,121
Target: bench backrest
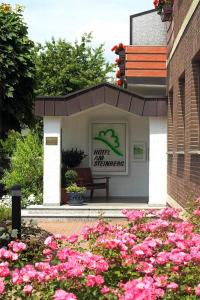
84,176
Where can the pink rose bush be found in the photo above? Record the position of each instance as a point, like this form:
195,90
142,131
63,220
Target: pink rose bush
155,255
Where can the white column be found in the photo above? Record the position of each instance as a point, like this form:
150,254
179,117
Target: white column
157,161
52,161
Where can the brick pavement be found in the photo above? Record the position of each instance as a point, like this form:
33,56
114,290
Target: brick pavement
69,226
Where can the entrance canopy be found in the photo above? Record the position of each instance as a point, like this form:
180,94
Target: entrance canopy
102,93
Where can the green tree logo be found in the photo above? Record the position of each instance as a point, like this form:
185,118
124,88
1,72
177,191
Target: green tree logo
110,138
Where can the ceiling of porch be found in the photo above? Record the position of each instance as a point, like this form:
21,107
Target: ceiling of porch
102,93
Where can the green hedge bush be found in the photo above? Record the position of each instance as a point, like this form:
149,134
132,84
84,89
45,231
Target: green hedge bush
26,168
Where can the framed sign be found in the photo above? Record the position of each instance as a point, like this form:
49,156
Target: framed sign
109,148
138,151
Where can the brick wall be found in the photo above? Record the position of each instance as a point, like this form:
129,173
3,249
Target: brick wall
180,10
183,126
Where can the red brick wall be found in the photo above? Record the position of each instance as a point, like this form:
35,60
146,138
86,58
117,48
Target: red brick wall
184,166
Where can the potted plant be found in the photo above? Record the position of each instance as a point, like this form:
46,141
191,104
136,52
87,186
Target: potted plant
71,176
119,49
70,159
164,8
75,194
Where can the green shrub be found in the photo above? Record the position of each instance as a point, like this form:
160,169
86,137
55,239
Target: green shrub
5,213
5,209
71,176
73,188
7,146
26,168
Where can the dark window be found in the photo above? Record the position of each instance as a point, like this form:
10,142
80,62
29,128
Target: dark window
195,108
170,121
181,115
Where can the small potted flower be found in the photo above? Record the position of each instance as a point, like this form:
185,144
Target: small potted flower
119,49
75,194
164,8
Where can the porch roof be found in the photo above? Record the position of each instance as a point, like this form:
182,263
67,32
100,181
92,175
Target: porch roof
99,94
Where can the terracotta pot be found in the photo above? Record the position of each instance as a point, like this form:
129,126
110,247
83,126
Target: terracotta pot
64,196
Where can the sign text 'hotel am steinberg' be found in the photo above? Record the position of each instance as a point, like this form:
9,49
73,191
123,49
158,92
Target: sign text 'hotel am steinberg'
109,148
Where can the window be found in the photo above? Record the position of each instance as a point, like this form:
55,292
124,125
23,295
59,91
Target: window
170,122
181,115
195,109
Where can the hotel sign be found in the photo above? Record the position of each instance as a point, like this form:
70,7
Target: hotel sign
109,146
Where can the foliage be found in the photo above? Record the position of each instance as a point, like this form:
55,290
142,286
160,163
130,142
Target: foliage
7,146
192,213
17,70
156,255
73,188
70,176
26,168
63,67
72,158
5,208
7,234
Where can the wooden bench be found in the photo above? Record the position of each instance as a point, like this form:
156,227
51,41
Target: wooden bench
86,179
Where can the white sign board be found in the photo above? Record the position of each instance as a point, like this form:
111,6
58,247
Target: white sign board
109,148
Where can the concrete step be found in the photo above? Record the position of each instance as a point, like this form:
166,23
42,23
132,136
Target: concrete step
96,210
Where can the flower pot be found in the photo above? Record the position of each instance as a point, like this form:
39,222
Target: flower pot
75,199
121,53
64,196
166,13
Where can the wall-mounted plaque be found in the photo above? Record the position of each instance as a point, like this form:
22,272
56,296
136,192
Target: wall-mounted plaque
52,140
109,148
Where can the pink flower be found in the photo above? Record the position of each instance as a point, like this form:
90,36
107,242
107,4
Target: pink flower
51,243
47,252
141,289
172,286
134,215
27,289
17,277
105,290
2,287
145,267
62,295
4,270
161,281
72,238
197,290
17,246
99,279
93,280
196,212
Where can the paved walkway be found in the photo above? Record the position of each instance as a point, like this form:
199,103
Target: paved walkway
69,226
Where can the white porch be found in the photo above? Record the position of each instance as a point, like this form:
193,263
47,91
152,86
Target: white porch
144,179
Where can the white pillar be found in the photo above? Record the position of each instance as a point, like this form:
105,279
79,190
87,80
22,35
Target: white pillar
52,161
157,161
